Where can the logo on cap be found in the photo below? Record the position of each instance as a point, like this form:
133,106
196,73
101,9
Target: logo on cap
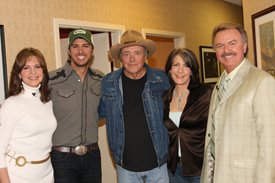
79,32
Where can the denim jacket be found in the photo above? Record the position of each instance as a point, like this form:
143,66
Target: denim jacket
111,107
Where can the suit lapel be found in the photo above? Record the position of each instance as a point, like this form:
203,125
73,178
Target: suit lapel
237,80
233,86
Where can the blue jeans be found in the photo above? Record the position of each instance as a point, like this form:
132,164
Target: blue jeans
73,168
178,177
156,175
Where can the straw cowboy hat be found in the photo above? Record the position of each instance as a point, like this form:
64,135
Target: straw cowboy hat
132,38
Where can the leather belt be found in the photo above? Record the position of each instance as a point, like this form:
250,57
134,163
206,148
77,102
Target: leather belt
22,161
79,150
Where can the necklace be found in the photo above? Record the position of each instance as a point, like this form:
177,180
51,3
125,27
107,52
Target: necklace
179,98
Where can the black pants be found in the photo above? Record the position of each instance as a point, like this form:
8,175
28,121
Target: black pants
73,168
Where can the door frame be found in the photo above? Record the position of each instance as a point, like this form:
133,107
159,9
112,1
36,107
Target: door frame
179,37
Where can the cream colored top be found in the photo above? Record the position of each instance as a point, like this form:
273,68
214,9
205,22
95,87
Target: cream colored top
26,126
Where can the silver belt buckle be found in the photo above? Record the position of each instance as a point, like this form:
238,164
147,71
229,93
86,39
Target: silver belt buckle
81,150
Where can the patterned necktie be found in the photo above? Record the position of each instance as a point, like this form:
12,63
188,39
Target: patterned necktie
222,88
220,93
211,152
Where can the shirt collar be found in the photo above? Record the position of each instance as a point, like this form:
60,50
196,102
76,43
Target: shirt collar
232,74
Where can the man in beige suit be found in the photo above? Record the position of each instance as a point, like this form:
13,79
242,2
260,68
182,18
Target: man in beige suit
240,137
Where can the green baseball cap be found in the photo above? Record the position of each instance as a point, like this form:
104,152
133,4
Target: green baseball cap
81,33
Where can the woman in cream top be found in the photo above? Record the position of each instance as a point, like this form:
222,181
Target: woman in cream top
27,122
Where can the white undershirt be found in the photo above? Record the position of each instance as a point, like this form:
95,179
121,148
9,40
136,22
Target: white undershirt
175,117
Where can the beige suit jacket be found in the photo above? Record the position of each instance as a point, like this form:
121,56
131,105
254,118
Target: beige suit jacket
245,129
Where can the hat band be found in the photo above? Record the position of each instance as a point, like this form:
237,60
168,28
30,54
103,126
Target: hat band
129,42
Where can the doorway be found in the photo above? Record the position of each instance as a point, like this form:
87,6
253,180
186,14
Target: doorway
104,35
166,41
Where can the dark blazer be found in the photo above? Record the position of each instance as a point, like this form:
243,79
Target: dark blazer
191,130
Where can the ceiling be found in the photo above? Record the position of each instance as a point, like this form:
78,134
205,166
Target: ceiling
236,2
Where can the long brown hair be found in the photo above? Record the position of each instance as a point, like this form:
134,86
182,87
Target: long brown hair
190,60
15,85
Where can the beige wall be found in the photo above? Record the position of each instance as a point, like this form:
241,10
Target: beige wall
251,7
30,22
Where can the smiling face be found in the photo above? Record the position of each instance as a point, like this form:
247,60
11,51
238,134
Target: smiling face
32,72
179,71
133,59
80,52
230,48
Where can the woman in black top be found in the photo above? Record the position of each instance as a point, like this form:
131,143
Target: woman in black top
186,106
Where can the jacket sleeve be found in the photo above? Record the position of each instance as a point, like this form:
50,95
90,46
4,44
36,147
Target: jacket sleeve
264,113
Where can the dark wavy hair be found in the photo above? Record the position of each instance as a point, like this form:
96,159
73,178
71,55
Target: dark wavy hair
15,85
190,60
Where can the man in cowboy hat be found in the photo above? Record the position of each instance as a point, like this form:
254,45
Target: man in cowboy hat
132,104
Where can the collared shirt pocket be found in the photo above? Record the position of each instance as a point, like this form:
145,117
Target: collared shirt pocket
109,96
66,93
95,90
157,93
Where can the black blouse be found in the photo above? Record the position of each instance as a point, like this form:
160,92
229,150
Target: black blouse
191,130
